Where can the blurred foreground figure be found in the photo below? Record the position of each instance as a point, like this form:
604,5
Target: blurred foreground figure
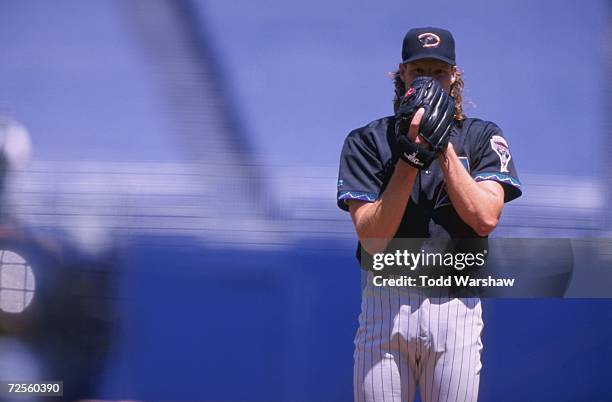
15,148
55,300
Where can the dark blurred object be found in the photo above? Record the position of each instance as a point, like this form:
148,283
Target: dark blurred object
67,325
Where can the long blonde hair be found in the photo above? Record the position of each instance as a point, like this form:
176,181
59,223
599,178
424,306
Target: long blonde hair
456,91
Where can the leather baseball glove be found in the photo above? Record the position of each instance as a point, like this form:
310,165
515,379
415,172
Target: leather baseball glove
436,123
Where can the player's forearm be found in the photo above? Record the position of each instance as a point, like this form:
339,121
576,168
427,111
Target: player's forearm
476,206
376,223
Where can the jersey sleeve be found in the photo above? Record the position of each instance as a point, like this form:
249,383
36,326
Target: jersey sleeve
357,176
493,161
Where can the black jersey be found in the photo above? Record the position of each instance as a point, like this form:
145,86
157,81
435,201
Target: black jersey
368,160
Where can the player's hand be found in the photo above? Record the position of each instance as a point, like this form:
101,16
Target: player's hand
413,149
413,132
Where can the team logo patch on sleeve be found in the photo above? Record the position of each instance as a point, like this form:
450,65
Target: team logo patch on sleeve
500,146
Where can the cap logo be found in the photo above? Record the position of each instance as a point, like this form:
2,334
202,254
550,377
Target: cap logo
429,39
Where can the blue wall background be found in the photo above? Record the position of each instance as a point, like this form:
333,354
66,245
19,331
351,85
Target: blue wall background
281,328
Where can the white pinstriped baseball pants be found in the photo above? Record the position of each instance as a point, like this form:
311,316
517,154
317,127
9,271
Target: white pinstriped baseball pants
415,337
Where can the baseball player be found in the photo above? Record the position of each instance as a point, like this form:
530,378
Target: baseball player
421,174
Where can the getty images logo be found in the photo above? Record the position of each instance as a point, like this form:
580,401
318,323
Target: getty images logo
413,158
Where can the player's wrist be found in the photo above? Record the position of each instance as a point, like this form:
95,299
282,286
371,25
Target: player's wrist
414,154
406,167
445,154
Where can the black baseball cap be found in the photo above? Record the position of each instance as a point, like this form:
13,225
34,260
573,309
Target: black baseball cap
428,43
